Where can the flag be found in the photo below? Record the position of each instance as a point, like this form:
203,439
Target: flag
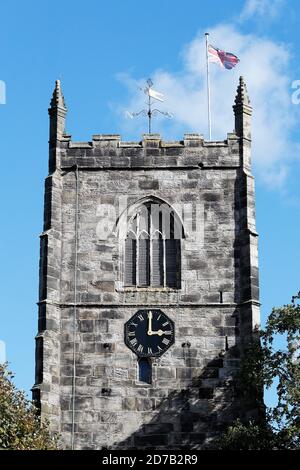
154,94
224,59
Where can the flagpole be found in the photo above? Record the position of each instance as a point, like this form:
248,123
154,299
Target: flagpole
149,114
208,86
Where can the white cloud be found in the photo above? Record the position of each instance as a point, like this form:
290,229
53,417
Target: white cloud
261,8
264,64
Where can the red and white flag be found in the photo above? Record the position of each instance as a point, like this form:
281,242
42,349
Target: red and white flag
226,60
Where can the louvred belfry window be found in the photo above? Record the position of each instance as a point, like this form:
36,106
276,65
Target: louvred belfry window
130,264
152,251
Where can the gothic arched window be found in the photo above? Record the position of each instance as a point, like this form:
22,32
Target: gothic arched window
152,254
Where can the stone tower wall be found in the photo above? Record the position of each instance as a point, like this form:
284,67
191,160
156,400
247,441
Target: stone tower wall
192,393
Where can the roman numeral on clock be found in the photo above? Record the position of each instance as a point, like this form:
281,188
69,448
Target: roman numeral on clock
133,341
166,341
140,348
166,323
141,318
131,333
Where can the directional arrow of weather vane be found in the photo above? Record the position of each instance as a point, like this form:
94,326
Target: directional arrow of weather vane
152,95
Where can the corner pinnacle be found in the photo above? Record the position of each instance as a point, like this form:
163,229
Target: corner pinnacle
57,97
242,97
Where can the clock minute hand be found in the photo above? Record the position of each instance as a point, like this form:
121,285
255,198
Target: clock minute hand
150,332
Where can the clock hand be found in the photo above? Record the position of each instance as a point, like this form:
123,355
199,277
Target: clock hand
158,332
150,332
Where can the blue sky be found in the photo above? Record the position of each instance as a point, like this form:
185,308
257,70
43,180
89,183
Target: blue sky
102,51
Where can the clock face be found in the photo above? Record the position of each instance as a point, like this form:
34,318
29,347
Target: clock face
149,333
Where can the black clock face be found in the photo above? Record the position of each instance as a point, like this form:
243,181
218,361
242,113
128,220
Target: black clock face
149,333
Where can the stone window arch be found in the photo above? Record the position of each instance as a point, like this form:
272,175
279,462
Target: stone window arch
152,248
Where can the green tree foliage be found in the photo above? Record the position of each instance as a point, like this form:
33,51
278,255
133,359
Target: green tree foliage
262,366
20,426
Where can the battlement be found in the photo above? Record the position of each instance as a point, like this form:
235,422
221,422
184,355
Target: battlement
109,151
148,140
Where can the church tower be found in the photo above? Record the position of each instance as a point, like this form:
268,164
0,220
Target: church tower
148,285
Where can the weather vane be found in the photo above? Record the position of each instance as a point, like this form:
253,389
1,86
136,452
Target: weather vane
152,95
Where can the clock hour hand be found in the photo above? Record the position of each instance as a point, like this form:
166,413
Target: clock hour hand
159,332
150,332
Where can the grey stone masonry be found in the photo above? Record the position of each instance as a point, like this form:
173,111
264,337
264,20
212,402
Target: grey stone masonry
87,382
